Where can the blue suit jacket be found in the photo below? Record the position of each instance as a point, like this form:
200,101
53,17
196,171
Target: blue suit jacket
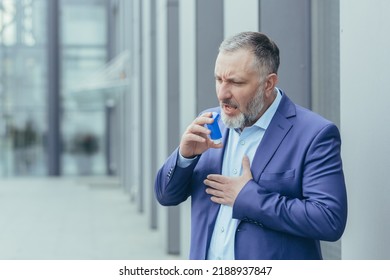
296,198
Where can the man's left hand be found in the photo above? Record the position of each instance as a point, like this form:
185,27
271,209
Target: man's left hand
224,189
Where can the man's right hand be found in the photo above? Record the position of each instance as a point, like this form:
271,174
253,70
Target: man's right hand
195,139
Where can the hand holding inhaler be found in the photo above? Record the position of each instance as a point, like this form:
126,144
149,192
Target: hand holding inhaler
197,137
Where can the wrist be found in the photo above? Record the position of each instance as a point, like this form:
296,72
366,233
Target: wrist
183,161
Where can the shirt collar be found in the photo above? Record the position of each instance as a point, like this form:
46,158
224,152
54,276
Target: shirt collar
264,121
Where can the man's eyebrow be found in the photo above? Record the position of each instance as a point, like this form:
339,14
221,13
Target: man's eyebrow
230,79
235,79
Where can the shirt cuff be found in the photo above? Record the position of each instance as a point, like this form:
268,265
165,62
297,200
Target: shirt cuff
183,162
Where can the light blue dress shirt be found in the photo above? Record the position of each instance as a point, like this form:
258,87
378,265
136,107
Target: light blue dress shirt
238,145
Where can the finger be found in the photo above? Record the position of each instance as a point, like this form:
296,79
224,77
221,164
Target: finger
214,192
218,200
213,184
207,114
245,163
194,138
198,129
246,166
211,144
204,119
218,178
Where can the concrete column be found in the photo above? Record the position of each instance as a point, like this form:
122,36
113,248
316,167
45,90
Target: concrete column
325,39
132,121
173,112
239,17
167,95
153,93
162,101
149,136
53,136
188,111
288,23
209,35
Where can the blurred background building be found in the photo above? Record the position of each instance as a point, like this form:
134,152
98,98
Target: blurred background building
50,124
103,89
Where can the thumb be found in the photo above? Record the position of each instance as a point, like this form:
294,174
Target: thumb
246,166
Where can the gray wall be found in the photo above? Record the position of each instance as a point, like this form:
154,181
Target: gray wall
364,75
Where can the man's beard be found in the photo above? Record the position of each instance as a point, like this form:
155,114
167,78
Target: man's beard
250,116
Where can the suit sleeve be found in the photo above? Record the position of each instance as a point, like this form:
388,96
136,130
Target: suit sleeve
321,212
173,183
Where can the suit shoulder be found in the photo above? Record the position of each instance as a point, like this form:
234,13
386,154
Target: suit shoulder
308,117
308,122
300,115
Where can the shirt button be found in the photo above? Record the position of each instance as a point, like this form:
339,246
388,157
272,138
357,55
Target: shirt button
222,229
234,171
242,142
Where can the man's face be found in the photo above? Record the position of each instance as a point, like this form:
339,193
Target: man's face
238,88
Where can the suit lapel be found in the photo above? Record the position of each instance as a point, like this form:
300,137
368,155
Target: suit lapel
273,136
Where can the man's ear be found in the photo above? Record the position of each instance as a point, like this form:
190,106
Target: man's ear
270,83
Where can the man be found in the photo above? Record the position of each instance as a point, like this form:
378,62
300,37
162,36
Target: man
274,187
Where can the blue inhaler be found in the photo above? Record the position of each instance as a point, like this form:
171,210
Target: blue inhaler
215,134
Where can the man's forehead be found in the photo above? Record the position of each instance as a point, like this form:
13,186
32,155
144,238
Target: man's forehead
240,61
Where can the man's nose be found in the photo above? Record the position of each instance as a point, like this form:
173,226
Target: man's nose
223,91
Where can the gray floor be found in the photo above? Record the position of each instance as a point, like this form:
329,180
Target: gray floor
78,219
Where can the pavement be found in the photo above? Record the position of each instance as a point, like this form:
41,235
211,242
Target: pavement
73,219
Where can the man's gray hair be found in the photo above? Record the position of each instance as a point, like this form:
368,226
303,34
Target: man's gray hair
266,52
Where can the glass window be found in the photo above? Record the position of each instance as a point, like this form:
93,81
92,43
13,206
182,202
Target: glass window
22,87
83,53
